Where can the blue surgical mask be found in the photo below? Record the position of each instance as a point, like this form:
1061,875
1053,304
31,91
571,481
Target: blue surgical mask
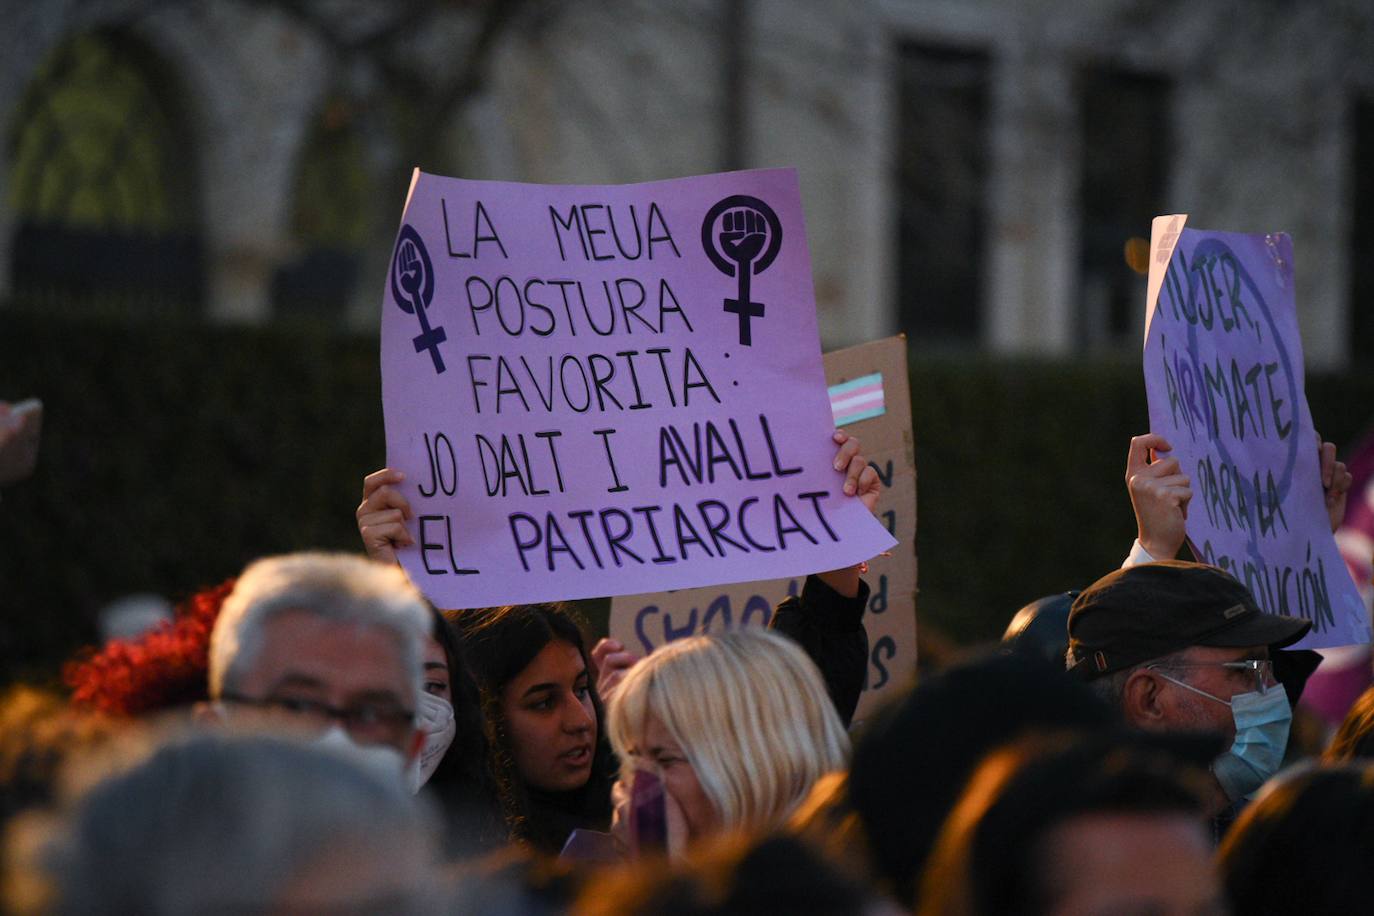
1262,720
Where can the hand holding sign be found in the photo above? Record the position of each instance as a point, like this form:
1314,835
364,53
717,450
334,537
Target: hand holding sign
1159,495
600,430
867,388
860,479
382,515
1336,481
1224,379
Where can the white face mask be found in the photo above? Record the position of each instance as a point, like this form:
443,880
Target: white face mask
381,758
436,721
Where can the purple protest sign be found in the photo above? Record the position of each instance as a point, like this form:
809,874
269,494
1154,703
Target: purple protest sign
1224,378
605,390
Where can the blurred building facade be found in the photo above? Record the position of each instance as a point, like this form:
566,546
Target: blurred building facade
972,170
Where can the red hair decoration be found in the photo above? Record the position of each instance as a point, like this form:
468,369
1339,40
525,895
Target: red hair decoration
162,669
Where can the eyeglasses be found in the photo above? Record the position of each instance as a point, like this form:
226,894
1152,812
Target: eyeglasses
368,723
1261,669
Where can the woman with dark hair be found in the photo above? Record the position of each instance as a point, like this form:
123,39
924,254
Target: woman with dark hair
1304,846
544,721
454,763
543,716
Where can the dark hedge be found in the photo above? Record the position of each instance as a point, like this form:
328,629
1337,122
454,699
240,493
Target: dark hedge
172,454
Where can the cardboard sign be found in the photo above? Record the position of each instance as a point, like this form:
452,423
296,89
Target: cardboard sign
601,390
1224,379
870,398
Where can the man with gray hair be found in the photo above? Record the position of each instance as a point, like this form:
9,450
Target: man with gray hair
325,645
221,823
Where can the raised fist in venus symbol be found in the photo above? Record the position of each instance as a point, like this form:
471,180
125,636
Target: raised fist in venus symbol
743,234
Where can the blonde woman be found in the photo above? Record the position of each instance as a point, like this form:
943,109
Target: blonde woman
737,727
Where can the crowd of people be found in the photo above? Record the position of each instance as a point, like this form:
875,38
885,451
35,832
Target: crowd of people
314,736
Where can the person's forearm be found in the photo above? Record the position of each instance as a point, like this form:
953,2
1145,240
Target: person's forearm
844,581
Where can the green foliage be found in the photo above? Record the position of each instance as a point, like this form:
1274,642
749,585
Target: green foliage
1021,478
172,454
1019,484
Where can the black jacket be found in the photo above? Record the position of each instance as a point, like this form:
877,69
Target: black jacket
830,628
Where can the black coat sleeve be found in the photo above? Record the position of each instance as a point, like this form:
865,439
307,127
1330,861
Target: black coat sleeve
830,627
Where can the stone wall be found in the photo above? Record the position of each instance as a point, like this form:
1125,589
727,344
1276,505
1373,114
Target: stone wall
629,90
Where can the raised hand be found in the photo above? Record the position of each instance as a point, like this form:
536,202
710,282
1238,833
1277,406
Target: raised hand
1159,495
859,480
1336,481
859,477
382,515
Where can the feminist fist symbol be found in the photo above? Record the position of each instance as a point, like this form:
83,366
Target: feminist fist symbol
750,237
743,236
412,274
412,286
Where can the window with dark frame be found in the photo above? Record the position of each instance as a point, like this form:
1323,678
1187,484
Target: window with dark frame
1126,140
942,170
329,220
103,185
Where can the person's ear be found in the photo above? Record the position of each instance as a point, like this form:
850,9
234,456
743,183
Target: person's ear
1141,700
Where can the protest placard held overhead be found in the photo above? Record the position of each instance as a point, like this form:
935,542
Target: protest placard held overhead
1224,378
601,390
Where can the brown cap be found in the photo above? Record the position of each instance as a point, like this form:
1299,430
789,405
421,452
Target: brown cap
1147,611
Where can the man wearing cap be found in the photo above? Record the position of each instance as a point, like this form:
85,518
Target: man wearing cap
1180,646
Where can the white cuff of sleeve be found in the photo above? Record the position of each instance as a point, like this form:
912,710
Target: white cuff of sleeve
1137,555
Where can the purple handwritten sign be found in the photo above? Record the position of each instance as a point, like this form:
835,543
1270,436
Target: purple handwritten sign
1224,379
607,390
